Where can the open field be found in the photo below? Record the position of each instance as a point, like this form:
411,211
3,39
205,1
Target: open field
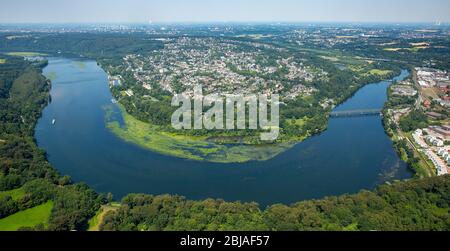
430,93
392,49
27,218
26,54
411,49
418,48
380,72
2,61
15,194
97,220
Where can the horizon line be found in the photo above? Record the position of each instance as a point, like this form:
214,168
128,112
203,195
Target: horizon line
222,22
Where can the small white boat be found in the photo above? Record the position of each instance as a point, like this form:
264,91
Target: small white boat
53,121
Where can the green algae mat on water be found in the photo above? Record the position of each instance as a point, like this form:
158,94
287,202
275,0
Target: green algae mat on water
188,147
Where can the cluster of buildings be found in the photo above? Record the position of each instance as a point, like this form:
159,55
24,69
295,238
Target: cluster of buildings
440,164
404,89
438,80
432,141
220,65
115,80
443,102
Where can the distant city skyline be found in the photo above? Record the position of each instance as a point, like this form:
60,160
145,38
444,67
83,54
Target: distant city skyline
176,11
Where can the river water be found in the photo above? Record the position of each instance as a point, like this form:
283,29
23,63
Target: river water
353,154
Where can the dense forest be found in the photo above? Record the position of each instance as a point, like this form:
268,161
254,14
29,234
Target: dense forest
411,206
413,121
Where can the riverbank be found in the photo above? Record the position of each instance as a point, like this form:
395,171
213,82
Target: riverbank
396,108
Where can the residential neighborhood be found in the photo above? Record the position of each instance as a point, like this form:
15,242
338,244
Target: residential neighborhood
220,65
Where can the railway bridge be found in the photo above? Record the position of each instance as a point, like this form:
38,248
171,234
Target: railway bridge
356,113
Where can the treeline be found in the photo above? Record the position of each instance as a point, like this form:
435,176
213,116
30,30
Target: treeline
24,94
111,47
413,205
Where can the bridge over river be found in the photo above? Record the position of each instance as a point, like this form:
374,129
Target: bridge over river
356,113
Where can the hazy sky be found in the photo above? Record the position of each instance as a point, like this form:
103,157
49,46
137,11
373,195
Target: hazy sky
118,11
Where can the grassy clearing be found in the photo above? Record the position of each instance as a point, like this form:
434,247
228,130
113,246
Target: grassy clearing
332,59
380,72
27,218
299,122
97,220
189,147
393,49
2,61
26,54
412,49
418,48
15,194
365,71
94,223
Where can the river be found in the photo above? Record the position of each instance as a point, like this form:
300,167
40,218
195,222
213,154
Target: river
353,154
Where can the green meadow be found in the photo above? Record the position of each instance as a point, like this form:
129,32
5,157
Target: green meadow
379,72
28,218
94,222
26,54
